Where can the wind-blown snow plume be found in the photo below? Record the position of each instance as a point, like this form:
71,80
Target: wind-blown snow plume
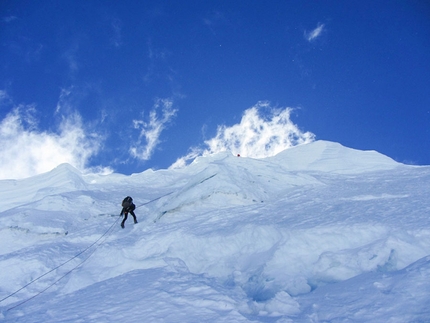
262,132
26,151
150,131
258,137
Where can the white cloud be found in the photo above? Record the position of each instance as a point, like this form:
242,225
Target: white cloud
63,104
70,56
27,151
262,132
4,97
9,18
312,35
183,161
150,131
116,30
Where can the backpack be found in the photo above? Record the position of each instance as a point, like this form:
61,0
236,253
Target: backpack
126,203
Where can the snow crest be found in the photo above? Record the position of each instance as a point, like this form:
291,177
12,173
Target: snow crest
318,233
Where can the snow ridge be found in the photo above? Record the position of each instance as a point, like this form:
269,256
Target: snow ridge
318,233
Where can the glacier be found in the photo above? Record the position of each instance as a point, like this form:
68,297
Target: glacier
318,233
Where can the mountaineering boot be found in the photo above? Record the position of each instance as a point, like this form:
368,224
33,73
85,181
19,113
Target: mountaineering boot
122,225
135,221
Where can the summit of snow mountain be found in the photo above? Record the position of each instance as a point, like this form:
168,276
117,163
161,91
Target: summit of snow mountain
327,156
320,155
225,179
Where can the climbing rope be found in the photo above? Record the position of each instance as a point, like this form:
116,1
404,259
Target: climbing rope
154,199
105,234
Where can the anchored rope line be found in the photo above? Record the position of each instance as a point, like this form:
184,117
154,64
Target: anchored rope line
154,199
77,255
44,290
105,234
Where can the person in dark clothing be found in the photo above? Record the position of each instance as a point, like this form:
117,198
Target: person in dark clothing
128,207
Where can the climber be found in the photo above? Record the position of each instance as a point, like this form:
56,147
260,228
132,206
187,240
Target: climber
128,206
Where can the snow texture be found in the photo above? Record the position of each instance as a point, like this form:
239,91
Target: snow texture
318,233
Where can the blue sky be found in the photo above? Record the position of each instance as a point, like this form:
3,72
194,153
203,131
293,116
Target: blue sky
131,85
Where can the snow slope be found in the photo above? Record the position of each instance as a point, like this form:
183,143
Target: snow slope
318,233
